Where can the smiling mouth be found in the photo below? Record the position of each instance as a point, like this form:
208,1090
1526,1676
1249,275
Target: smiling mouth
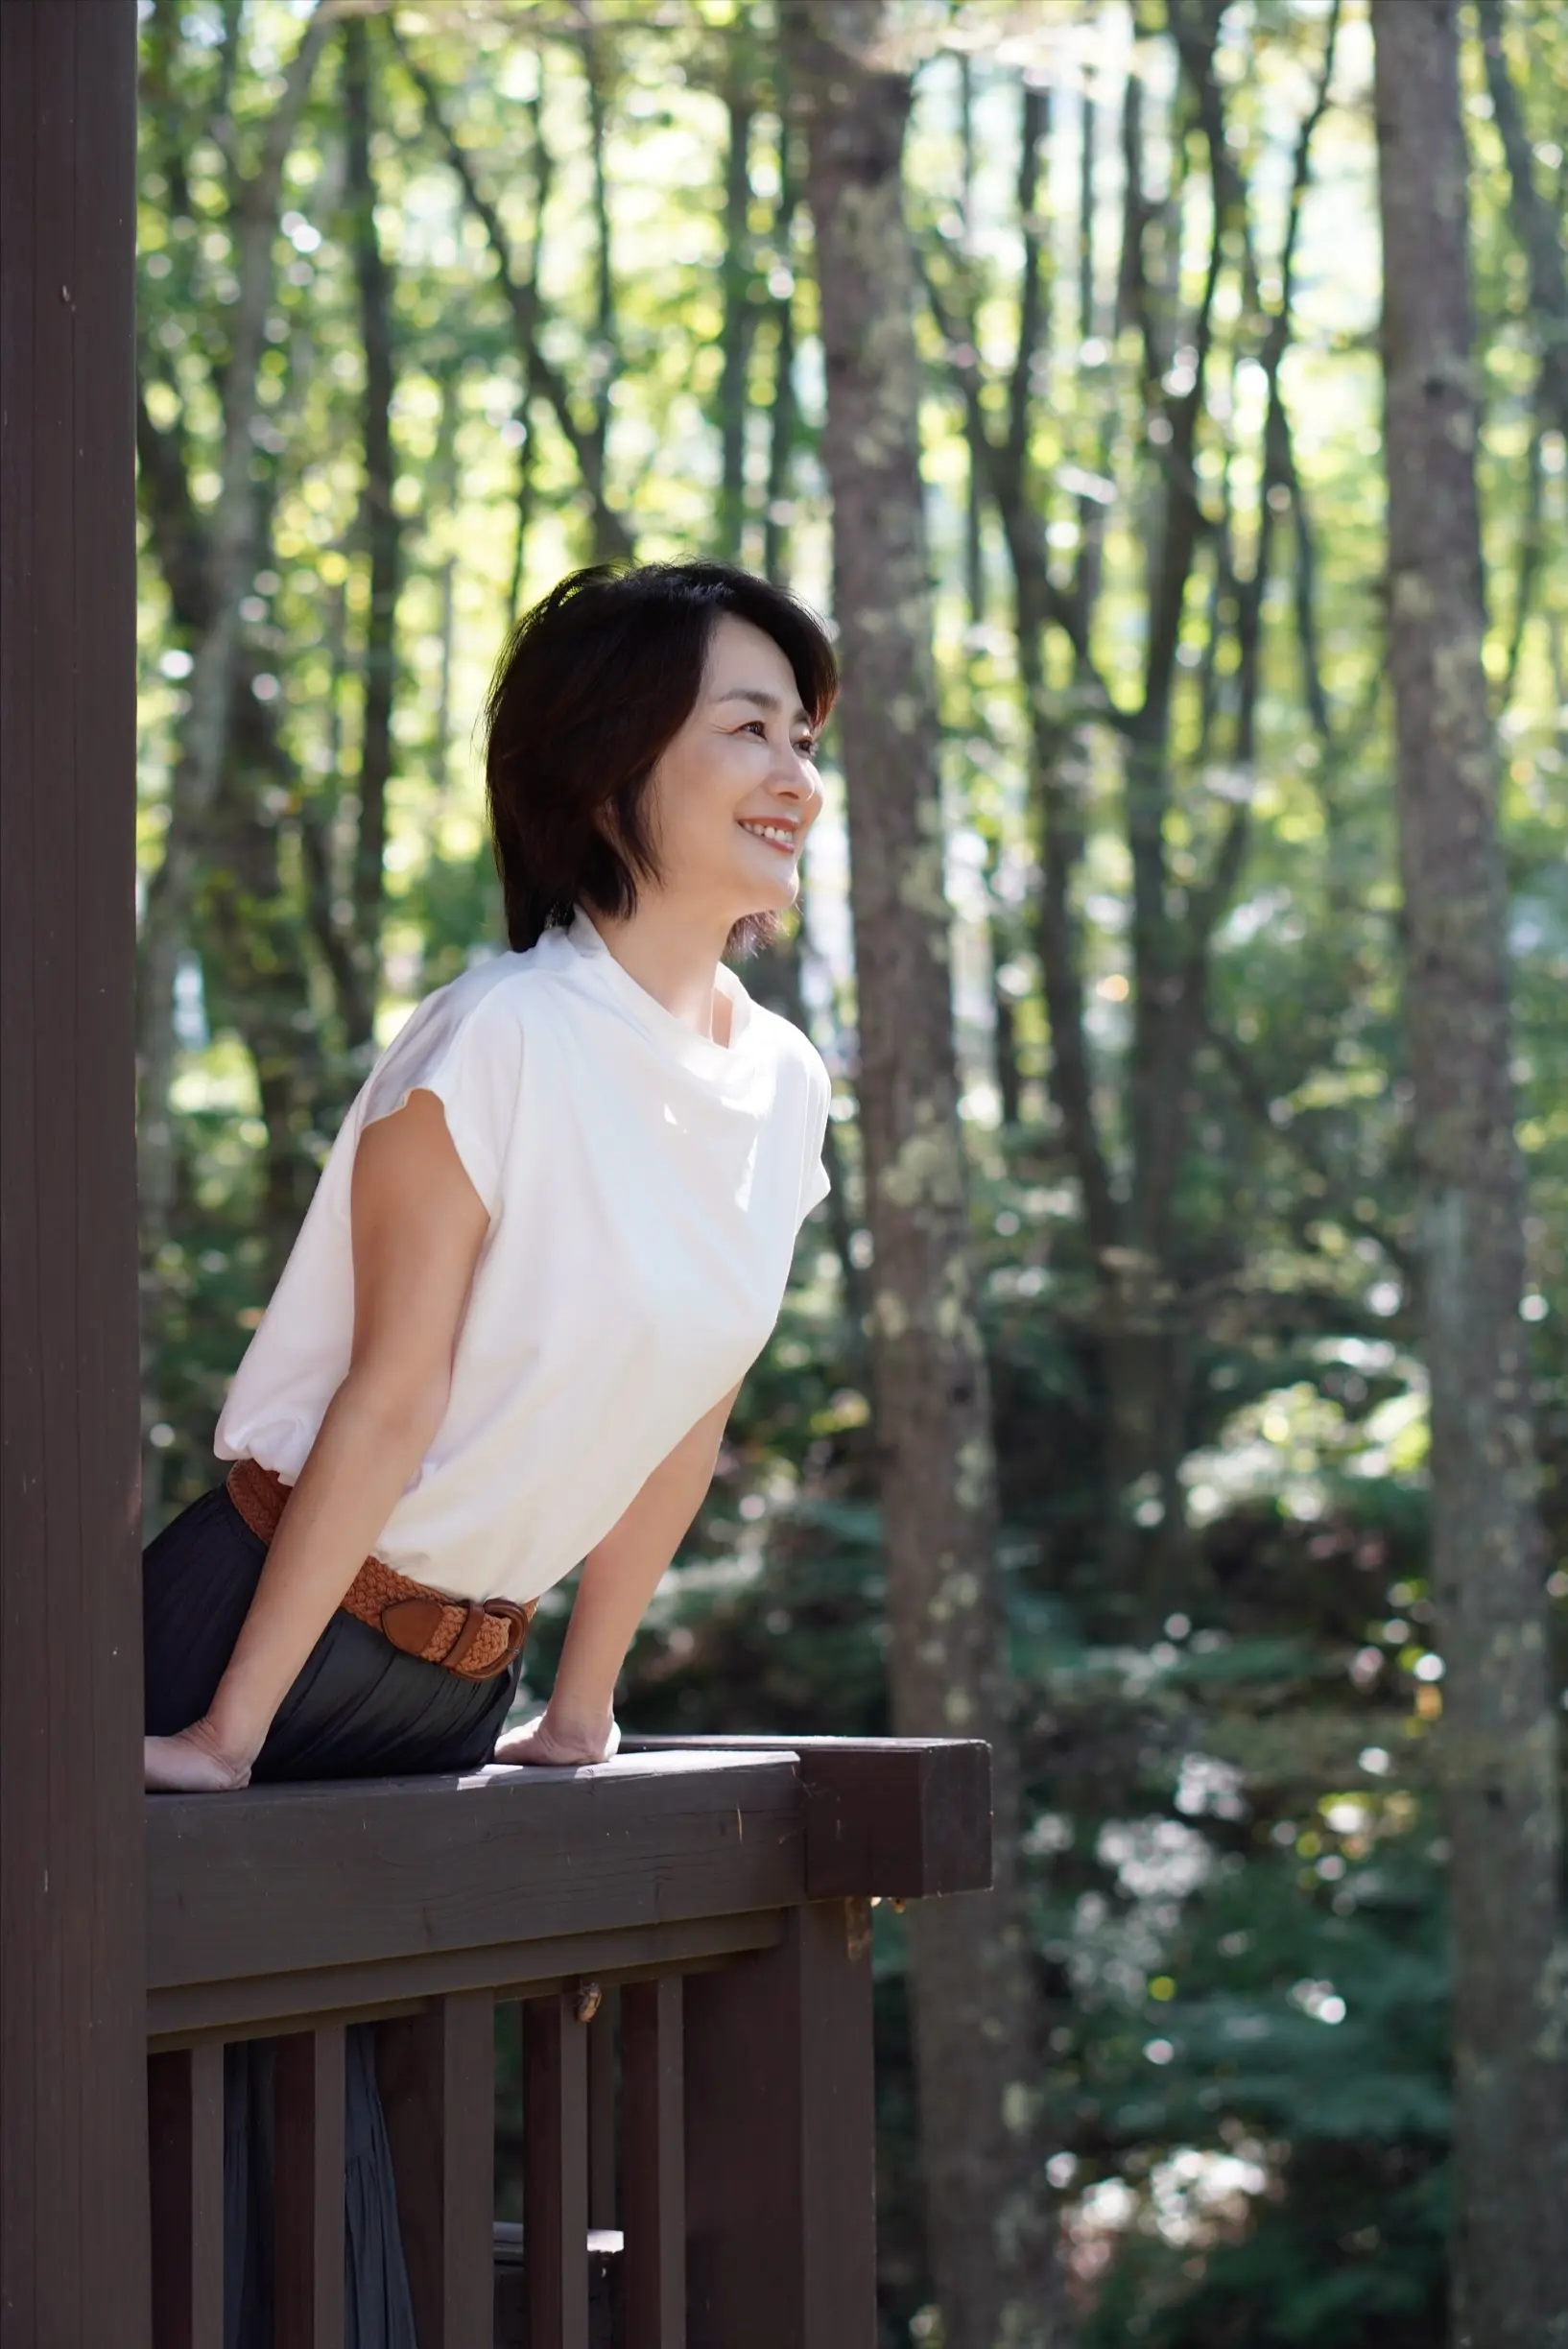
779,836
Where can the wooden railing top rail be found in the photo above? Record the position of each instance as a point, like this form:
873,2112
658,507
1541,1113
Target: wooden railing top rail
901,1818
289,1902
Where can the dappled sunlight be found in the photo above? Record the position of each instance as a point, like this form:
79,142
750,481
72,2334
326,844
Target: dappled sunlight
1095,1420
1294,1445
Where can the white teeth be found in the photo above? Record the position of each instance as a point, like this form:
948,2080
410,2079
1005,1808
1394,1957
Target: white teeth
780,835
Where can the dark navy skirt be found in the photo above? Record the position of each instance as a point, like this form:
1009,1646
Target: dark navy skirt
359,1709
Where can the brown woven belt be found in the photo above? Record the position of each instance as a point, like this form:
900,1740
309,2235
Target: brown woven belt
474,1638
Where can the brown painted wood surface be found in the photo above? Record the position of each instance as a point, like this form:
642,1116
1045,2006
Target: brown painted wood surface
556,2172
653,2162
606,2327
254,2007
675,1878
603,2200
898,1817
186,2163
308,2188
436,2078
73,2113
780,2142
283,1878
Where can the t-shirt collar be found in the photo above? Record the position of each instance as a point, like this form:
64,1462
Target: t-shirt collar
698,1053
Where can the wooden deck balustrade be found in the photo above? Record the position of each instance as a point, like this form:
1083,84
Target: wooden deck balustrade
687,1930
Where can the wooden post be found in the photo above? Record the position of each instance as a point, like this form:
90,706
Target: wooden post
437,2077
652,2162
780,2153
556,2172
73,2108
603,2200
185,2148
309,2096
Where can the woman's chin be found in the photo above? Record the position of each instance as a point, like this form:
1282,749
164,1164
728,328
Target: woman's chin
785,889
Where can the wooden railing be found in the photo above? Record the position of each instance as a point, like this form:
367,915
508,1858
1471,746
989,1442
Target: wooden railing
687,1932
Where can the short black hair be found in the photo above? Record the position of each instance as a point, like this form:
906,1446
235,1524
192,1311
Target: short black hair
595,682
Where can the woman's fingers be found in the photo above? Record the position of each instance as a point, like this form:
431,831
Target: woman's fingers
539,1744
528,1744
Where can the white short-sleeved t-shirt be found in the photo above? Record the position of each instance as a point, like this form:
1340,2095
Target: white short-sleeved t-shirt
645,1186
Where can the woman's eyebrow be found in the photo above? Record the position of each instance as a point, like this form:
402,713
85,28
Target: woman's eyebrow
758,697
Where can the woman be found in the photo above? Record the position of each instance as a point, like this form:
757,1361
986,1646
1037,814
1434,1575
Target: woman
552,1236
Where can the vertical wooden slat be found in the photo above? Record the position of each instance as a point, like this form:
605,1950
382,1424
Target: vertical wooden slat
555,2174
308,2188
654,2163
436,2075
603,2200
780,2155
73,2078
186,2168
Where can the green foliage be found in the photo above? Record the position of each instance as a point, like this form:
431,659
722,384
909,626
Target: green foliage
1235,1866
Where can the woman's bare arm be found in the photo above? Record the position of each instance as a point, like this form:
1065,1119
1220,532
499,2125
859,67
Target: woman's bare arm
619,1578
417,1228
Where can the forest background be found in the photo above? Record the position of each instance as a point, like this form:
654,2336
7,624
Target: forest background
440,300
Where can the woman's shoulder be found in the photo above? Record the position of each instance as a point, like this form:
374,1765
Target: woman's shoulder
475,1025
790,1047
495,989
467,1042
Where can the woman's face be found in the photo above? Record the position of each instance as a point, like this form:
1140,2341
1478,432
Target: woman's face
734,795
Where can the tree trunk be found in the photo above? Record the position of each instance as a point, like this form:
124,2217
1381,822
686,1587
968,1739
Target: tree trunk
974,1998
781,417
209,566
528,448
605,358
1534,223
248,928
1510,2245
739,314
380,522
230,560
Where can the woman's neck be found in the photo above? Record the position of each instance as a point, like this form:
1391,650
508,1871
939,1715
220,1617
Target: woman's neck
674,955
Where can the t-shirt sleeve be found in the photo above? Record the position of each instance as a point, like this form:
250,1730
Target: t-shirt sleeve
814,1183
470,1055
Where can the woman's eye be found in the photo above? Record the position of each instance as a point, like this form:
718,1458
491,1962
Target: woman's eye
805,750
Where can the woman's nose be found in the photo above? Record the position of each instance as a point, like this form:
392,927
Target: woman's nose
795,779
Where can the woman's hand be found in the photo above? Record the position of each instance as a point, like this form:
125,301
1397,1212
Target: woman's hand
550,1745
193,1763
